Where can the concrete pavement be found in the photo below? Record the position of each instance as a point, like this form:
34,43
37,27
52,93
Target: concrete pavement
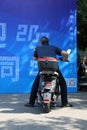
15,116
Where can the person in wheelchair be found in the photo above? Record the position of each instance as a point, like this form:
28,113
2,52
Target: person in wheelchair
46,50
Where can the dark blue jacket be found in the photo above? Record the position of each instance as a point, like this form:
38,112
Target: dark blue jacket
46,51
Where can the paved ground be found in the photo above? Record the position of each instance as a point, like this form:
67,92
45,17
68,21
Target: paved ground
15,116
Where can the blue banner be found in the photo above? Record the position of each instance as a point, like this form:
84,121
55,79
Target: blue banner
22,24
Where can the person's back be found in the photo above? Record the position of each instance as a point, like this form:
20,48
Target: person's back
46,50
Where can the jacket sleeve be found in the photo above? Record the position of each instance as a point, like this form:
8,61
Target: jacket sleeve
58,51
35,52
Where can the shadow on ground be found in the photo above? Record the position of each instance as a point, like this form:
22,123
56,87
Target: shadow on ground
14,103
64,123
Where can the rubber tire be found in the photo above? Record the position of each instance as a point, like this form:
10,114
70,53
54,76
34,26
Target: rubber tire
47,107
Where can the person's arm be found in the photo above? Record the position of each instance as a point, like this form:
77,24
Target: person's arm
65,54
35,56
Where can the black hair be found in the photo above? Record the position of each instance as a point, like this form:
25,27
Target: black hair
44,40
